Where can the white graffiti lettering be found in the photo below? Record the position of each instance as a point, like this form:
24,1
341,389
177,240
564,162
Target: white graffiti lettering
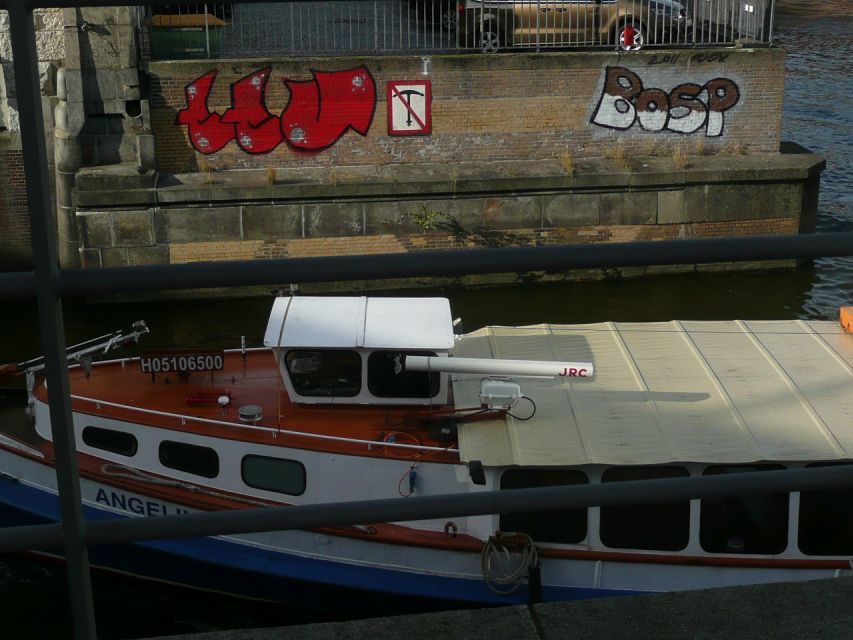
686,108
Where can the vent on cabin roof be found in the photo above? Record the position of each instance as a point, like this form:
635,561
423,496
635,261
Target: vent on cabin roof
251,413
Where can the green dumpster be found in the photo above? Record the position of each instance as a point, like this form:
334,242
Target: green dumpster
195,35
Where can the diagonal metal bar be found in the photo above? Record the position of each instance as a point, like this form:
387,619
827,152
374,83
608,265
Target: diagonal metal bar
43,232
124,530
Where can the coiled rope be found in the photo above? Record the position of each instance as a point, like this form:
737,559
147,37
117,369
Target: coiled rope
506,560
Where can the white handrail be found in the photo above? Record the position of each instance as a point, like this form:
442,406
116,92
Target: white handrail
318,436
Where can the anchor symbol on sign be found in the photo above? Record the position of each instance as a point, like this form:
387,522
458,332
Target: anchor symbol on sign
406,94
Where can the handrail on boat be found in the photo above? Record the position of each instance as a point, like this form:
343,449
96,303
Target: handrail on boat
223,423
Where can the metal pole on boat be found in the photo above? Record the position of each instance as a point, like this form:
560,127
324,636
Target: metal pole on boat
46,268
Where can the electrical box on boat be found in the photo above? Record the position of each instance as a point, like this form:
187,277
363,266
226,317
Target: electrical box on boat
499,394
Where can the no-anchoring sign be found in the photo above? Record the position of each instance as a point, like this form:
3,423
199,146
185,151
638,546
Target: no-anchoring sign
409,112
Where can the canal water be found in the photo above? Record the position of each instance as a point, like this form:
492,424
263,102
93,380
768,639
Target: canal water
818,115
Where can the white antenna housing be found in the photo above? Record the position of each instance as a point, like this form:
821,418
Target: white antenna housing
489,366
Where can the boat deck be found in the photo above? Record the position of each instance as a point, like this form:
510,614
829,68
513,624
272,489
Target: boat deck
712,392
122,391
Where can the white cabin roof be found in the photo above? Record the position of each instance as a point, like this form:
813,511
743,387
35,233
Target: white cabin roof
367,322
707,392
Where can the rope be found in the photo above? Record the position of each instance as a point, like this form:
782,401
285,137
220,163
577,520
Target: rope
497,558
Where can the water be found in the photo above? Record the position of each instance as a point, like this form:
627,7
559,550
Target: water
818,115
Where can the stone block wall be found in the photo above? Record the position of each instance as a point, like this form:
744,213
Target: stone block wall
238,217
502,107
15,247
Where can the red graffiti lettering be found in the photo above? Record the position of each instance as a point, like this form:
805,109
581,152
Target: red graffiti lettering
256,129
207,132
321,110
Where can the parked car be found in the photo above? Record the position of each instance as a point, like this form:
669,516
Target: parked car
437,12
491,25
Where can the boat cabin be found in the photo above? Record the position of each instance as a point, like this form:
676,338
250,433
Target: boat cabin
352,350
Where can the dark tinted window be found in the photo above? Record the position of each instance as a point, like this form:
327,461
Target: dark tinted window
191,458
388,378
324,372
565,525
274,474
664,527
826,521
755,523
109,440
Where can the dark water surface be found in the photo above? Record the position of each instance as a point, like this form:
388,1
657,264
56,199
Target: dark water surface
818,115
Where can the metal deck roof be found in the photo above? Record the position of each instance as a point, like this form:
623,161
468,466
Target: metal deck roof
350,322
712,392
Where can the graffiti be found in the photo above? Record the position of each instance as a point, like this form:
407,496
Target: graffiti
319,112
710,57
665,58
684,109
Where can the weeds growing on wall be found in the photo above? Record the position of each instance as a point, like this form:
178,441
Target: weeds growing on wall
734,149
619,154
453,174
206,170
427,219
567,161
680,155
271,176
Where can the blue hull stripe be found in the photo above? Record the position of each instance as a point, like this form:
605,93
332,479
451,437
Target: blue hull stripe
247,571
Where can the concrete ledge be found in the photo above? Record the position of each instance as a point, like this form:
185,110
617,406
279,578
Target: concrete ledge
97,187
819,609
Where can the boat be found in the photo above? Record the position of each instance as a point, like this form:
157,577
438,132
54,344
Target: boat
364,398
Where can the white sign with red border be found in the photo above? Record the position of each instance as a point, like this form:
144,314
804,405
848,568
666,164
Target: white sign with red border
409,108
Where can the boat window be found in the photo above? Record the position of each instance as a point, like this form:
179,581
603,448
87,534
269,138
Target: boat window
756,523
564,525
826,520
387,377
324,372
274,474
191,458
119,442
663,527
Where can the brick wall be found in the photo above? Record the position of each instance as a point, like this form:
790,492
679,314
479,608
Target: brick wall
501,107
15,249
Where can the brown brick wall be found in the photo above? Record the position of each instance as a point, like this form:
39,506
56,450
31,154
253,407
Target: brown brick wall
15,249
440,240
501,107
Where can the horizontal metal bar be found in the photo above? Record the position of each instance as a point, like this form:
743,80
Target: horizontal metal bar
17,284
450,263
441,506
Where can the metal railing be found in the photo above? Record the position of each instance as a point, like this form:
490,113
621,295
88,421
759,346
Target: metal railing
48,284
376,27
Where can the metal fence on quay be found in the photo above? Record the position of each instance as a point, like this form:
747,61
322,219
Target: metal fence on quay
377,27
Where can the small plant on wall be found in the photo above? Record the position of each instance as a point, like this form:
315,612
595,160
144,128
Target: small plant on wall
680,155
271,176
567,161
206,170
619,154
427,219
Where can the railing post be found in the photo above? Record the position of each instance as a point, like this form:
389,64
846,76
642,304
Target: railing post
206,33
46,267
